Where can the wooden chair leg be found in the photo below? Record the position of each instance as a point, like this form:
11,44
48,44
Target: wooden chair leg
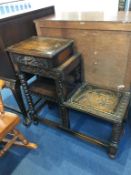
20,137
22,142
8,144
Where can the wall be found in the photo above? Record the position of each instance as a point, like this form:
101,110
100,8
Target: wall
106,6
86,5
14,7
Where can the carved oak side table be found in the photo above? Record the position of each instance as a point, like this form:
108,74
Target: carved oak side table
51,59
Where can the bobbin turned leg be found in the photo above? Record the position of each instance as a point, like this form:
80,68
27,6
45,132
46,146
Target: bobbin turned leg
116,133
18,96
64,116
60,89
32,113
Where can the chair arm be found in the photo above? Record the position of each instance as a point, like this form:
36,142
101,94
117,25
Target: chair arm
2,84
70,64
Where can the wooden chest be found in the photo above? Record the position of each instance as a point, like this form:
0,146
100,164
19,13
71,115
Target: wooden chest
42,52
105,43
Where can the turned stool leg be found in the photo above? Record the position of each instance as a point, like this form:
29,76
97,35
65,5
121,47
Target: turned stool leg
64,113
61,97
32,111
18,96
116,133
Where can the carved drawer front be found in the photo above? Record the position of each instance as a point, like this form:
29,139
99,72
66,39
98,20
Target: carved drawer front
32,61
42,52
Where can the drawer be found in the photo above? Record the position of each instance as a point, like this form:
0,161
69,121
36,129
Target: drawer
43,62
42,52
31,61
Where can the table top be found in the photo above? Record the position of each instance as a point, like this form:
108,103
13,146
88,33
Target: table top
90,16
40,46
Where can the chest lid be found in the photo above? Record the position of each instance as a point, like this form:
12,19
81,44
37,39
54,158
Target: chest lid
41,46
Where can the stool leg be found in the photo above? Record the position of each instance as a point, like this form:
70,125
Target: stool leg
61,97
64,113
18,96
116,133
32,111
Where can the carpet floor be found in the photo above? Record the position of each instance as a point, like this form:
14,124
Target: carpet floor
59,153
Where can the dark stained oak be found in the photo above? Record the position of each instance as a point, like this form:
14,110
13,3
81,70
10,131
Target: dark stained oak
45,51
